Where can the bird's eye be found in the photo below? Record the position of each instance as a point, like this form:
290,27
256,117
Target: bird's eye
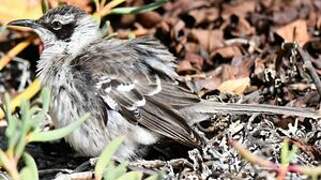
56,25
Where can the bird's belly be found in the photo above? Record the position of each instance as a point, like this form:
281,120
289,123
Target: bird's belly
91,138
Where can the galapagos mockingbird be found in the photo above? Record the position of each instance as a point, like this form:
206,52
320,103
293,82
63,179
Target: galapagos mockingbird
129,87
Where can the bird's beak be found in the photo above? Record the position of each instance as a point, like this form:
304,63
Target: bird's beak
25,23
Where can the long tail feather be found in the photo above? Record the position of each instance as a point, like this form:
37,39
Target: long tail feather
215,107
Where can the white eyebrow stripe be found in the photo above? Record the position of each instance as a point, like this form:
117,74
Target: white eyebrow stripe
65,19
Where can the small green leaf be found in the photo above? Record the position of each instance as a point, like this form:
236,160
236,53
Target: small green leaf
35,109
105,28
109,172
285,152
116,172
57,133
286,155
105,157
20,147
45,98
3,157
136,10
37,118
40,114
26,174
31,165
11,131
13,139
293,153
44,6
12,122
133,175
154,177
25,127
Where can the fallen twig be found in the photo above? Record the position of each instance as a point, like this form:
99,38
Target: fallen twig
78,175
311,70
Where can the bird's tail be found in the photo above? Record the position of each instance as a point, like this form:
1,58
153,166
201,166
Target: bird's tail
209,107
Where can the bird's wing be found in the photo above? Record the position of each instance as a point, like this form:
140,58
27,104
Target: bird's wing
136,78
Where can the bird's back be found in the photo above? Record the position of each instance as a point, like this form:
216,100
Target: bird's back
137,78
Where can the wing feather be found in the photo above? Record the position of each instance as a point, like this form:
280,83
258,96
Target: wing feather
138,81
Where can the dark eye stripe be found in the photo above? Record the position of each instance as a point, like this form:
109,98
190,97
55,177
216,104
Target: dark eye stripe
65,32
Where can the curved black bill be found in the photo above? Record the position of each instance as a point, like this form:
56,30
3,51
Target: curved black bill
24,23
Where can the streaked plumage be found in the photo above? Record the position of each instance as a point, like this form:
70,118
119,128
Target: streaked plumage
129,87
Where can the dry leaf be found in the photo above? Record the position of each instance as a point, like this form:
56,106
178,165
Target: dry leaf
239,9
235,86
208,39
295,31
285,16
149,19
191,64
244,27
204,15
208,83
228,52
185,67
180,6
192,47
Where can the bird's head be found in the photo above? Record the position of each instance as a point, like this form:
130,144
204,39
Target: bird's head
66,26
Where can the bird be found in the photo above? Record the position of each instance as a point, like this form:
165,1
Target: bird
129,87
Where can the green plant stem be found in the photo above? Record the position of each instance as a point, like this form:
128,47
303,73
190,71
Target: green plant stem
10,165
283,169
106,10
253,159
311,171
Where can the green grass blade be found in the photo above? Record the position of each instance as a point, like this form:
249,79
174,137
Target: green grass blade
136,10
40,114
285,152
109,172
11,130
133,175
57,133
106,156
116,172
44,6
12,122
293,153
25,127
154,177
45,99
3,157
31,165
